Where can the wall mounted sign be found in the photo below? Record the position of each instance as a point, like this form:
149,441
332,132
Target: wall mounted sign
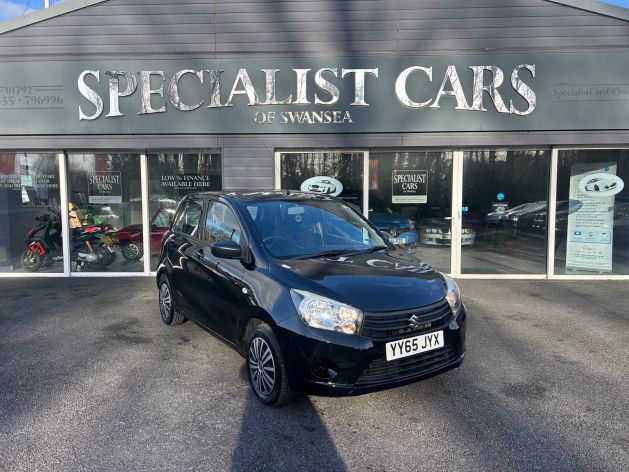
410,186
487,92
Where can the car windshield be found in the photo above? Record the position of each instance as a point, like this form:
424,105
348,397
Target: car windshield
311,228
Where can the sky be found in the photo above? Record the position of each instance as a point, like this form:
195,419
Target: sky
13,8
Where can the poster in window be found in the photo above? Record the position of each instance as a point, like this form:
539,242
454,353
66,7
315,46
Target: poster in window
590,229
105,187
410,186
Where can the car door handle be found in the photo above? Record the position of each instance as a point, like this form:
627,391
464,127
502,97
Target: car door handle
199,254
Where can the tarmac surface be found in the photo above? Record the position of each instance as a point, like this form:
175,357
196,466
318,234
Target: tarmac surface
91,379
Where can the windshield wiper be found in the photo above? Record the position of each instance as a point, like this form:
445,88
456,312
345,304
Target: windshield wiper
375,248
341,252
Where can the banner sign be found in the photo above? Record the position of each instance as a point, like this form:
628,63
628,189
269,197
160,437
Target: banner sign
187,181
105,187
473,93
591,227
410,186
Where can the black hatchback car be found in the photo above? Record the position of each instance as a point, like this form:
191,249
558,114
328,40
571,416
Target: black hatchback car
309,292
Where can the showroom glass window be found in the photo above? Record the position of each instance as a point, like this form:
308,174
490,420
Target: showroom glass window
172,176
104,191
331,173
505,210
29,189
410,197
592,223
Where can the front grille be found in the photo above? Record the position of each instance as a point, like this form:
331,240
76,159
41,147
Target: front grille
382,371
391,325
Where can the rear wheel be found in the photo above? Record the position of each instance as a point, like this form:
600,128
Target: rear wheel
167,310
266,368
31,261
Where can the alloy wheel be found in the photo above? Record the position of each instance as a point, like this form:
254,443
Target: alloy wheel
165,303
132,251
261,367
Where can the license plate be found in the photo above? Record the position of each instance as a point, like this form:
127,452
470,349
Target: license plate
397,240
411,346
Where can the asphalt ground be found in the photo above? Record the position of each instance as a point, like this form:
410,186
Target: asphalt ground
91,379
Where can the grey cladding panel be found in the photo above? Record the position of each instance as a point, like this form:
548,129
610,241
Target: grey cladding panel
279,7
494,33
505,23
335,25
179,20
100,40
110,30
508,43
306,27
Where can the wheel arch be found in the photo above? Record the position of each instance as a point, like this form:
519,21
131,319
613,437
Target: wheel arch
248,321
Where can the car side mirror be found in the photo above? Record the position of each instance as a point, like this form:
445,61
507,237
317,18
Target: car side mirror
226,250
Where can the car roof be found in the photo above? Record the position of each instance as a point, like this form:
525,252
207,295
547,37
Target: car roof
260,195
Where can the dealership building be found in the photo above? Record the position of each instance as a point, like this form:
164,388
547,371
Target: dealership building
489,138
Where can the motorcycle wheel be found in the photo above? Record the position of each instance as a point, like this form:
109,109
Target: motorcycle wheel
111,257
102,260
31,261
132,251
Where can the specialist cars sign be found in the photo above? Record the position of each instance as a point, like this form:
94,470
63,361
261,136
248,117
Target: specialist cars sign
473,93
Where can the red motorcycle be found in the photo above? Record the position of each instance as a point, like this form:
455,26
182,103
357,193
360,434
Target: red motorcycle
44,245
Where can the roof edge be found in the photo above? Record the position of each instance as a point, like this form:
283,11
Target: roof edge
596,7
45,14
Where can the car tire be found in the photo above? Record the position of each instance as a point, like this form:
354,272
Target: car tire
132,251
167,309
266,368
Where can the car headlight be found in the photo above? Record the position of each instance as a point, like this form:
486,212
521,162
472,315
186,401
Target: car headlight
454,295
324,313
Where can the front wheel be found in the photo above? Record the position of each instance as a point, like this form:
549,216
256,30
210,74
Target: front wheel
132,251
266,368
31,261
102,258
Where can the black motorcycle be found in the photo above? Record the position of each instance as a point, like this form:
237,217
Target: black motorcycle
90,245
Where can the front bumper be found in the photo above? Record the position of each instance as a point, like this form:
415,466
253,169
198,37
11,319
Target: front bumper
436,239
334,364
